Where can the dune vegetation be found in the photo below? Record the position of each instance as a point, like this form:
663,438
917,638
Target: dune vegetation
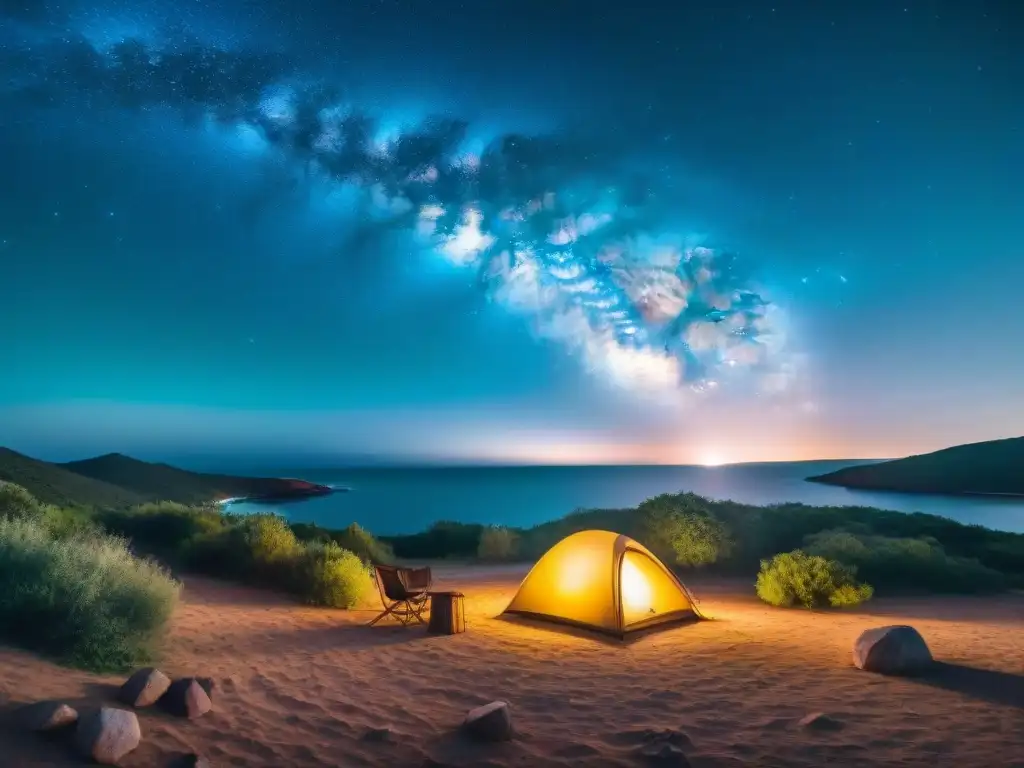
74,593
319,567
87,587
893,552
93,574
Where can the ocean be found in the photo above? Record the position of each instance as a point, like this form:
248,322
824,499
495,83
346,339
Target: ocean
394,501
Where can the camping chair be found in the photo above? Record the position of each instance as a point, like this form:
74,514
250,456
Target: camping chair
404,592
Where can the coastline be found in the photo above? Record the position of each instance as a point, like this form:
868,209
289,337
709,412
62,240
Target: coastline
916,491
293,489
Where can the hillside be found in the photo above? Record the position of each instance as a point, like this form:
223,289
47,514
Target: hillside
993,467
53,484
166,483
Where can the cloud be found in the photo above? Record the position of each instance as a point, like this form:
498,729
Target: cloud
557,227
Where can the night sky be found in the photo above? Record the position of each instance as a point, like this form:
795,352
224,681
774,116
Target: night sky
545,231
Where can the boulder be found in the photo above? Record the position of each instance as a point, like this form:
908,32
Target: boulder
144,688
107,735
664,747
208,684
46,716
819,721
893,650
491,722
186,698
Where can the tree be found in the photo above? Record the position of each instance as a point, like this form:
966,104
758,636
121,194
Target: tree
683,527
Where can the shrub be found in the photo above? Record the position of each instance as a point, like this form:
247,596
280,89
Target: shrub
354,538
15,501
61,522
498,543
683,526
534,542
443,539
67,522
165,527
812,581
269,542
221,553
325,574
905,563
85,600
360,541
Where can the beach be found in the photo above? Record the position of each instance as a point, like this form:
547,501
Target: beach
297,686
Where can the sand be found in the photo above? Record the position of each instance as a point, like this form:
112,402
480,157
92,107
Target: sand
306,687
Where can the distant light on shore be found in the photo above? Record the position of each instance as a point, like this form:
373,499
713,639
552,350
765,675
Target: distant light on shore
712,460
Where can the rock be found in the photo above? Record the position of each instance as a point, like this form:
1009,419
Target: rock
186,698
46,716
819,721
107,735
665,747
144,688
664,753
190,760
894,650
491,722
208,684
377,734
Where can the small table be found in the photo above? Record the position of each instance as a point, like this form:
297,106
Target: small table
447,613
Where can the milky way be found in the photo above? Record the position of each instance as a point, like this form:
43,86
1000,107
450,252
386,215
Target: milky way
557,228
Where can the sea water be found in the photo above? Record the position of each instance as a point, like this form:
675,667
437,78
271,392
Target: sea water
392,500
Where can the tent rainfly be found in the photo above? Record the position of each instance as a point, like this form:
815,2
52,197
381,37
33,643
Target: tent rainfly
604,581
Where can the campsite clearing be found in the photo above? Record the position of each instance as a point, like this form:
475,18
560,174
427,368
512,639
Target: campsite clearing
300,686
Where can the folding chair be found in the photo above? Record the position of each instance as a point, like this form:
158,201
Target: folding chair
404,592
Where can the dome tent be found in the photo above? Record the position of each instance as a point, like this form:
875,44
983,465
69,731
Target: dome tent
604,581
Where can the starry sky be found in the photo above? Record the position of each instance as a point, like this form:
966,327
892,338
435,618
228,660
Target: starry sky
533,231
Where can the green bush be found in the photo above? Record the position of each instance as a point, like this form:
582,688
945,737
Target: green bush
84,600
16,502
498,543
534,542
269,542
443,539
682,526
905,563
263,550
256,549
164,527
357,539
796,578
325,574
65,522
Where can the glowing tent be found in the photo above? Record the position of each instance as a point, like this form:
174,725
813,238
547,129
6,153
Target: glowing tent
603,581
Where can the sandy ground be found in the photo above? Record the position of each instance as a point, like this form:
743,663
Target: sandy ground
302,687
